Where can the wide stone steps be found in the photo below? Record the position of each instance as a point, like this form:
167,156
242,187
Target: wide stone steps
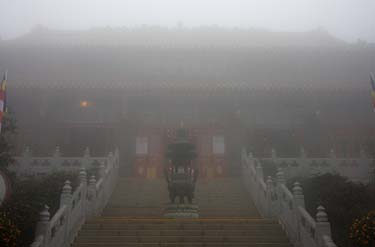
133,217
186,244
181,232
140,197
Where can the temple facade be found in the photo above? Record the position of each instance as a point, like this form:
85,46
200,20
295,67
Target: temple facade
74,90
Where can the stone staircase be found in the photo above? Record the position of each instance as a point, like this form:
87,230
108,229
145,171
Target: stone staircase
227,218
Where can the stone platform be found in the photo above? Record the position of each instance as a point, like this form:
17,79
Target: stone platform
181,211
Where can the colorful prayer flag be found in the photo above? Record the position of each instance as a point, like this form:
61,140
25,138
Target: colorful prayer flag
372,90
3,106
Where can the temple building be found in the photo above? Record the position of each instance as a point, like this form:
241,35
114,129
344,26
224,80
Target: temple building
133,89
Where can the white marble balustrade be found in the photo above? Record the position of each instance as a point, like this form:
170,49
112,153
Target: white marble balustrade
87,201
274,200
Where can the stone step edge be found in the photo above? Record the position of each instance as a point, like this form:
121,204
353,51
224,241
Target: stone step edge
205,219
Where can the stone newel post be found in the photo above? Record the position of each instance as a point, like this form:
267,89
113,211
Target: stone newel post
86,153
250,156
280,176
92,188
323,227
91,194
299,198
110,156
362,153
299,201
43,223
83,176
66,194
259,169
101,171
332,154
273,155
27,152
57,152
270,196
280,183
86,158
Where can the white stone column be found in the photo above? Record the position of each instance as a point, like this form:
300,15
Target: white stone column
86,153
274,155
333,160
299,198
66,194
280,176
280,182
259,170
86,158
91,194
323,227
298,201
92,188
57,153
43,224
270,197
102,171
83,176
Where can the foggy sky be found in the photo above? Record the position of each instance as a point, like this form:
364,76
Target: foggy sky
346,19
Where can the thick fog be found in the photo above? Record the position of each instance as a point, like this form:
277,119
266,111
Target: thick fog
349,20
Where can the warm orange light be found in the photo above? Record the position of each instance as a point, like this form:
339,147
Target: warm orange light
84,103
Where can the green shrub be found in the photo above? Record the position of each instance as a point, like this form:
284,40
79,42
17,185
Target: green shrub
344,201
27,199
362,231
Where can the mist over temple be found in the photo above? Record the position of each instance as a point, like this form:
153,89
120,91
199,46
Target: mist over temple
226,120
157,76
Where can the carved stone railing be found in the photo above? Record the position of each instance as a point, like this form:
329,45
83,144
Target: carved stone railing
87,201
275,200
28,165
360,169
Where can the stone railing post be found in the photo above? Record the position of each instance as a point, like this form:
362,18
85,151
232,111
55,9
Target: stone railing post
299,198
249,159
280,181
91,194
333,157
43,224
250,156
280,176
101,171
66,200
57,153
302,153
86,153
273,155
27,152
323,227
56,160
243,153
299,201
92,188
83,176
66,194
270,196
86,158
110,157
83,182
362,154
259,170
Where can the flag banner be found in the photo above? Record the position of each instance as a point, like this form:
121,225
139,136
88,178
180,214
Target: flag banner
3,107
372,91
